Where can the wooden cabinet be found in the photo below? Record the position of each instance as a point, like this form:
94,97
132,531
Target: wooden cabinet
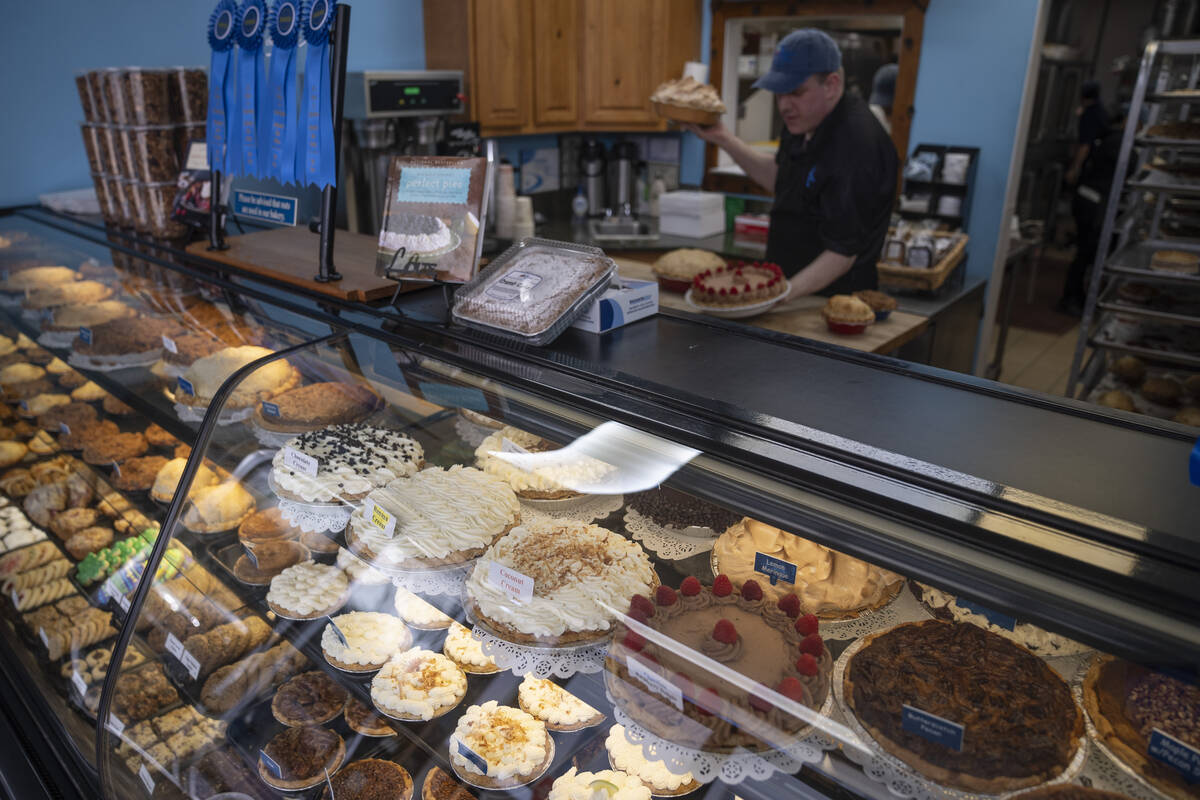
545,66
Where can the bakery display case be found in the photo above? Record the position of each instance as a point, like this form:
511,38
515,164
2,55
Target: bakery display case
405,558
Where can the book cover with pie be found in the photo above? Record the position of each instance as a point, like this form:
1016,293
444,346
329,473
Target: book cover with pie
432,228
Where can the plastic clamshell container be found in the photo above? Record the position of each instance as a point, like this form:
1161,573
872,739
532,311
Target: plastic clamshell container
147,95
91,146
189,95
534,290
109,139
159,201
153,154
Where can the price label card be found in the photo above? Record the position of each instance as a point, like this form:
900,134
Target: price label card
775,568
190,663
270,764
509,446
270,409
381,519
16,599
115,725
64,429
466,752
341,637
932,727
303,463
655,682
45,637
147,780
123,602
116,469
1182,758
169,344
24,405
79,683
85,335
186,387
174,646
994,617
514,584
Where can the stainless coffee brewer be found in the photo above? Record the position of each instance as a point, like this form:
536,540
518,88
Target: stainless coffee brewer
593,167
626,155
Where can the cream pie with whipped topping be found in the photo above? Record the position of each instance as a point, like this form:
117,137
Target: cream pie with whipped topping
555,706
514,745
631,759
579,573
546,482
351,460
370,639
419,614
441,517
418,685
609,783
466,651
308,590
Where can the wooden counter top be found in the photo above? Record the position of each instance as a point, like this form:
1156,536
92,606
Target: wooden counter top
802,317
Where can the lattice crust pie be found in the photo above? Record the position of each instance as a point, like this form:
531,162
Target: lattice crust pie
442,516
686,263
1022,727
547,481
308,408
579,572
555,706
207,374
352,460
418,685
515,746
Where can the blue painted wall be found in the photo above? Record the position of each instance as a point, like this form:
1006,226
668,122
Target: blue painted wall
973,59
43,43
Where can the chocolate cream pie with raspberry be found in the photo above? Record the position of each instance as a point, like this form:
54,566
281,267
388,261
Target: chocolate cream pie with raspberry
739,284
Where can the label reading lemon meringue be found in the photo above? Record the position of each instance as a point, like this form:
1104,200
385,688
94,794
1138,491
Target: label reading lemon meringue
655,682
514,584
775,568
382,519
303,463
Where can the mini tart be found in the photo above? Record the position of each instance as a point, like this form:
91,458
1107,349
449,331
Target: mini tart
1023,727
310,698
419,614
418,685
137,474
515,745
305,745
845,309
878,301
555,706
739,284
372,637
206,375
467,652
318,405
363,720
308,590
246,570
440,786
370,779
544,483
351,459
266,525
630,758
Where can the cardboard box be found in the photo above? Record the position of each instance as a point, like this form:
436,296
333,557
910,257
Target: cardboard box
623,302
751,226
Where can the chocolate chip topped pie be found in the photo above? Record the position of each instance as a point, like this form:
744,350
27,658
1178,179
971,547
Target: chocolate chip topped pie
351,461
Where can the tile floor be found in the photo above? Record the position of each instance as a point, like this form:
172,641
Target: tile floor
1037,360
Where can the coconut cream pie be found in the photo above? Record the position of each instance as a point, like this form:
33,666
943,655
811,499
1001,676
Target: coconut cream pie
547,482
609,783
207,374
579,572
630,758
555,706
442,516
515,746
418,685
371,638
351,461
308,590
466,651
418,613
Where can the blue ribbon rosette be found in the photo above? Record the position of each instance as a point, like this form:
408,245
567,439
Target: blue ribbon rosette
284,23
318,162
221,98
251,89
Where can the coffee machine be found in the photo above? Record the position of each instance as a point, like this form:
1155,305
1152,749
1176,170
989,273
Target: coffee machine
390,113
593,167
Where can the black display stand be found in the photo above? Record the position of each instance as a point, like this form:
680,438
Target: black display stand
937,188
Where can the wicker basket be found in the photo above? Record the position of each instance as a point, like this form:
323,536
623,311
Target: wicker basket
696,116
921,278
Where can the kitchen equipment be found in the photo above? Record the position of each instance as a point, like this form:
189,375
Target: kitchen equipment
593,165
626,155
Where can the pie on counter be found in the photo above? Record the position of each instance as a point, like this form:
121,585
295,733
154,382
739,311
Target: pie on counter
371,638
352,459
555,706
671,508
137,474
767,641
442,517
515,746
317,405
418,685
738,284
370,779
308,590
218,508
440,786
114,447
362,719
1127,702
419,614
631,759
1021,725
578,571
683,265
310,698
616,785
303,755
846,313
830,584
466,651
113,341
37,278
546,482
207,374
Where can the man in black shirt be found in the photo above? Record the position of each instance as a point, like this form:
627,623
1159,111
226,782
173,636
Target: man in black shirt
1090,175
834,175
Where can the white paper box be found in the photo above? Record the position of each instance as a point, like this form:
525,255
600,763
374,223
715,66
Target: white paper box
623,302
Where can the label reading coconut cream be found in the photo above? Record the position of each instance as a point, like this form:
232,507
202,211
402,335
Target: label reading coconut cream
303,463
514,584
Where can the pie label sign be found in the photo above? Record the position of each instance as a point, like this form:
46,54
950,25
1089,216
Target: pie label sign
115,725
1180,757
270,764
341,637
85,335
169,344
932,727
514,584
186,387
190,663
994,617
775,568
381,519
174,646
147,781
479,761
303,463
655,682
64,429
270,409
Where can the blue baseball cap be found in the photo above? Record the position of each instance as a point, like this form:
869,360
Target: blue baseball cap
883,87
801,53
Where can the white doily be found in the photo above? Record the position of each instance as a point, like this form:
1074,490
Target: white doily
313,518
109,363
471,433
730,768
587,508
226,417
271,438
882,767
672,544
445,582
541,661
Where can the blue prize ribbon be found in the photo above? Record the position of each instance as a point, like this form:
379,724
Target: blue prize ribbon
279,131
251,65
220,39
316,118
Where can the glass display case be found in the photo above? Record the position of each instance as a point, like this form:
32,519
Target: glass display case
406,560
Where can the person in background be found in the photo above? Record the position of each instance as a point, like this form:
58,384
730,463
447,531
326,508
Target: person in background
883,92
1090,177
834,175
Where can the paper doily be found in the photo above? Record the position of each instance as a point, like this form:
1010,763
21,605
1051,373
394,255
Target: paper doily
445,582
312,518
226,417
672,544
541,661
730,768
472,434
587,508
882,767
273,439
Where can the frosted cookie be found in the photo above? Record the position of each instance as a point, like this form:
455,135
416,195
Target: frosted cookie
370,639
514,745
631,759
555,706
418,613
418,685
351,461
466,651
308,590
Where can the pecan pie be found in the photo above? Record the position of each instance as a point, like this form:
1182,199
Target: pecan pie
370,779
317,405
360,718
310,698
303,755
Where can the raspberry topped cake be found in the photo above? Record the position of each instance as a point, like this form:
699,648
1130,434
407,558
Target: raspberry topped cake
767,641
739,284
